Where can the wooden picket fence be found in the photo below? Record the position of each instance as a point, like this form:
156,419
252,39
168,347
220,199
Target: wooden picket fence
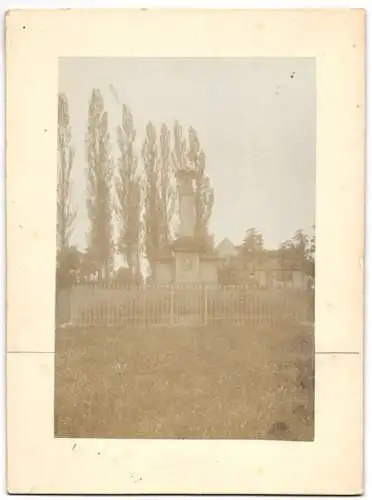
100,304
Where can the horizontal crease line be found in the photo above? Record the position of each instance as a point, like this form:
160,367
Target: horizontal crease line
30,352
337,352
53,352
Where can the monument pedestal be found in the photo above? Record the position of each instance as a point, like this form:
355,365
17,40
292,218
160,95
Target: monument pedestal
186,254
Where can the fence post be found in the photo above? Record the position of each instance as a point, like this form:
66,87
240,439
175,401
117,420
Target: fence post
171,305
72,306
206,304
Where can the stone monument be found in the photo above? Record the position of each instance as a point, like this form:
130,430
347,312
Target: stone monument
189,261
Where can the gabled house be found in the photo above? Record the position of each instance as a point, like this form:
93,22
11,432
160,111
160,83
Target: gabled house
226,250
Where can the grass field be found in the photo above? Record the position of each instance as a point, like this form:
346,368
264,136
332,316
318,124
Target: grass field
185,382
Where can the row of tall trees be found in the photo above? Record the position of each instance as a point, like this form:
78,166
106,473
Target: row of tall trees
136,192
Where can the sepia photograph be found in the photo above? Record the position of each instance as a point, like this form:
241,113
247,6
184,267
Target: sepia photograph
185,266
184,298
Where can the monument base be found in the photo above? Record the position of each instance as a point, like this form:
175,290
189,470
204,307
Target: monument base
187,266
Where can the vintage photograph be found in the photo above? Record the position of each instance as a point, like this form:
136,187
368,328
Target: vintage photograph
185,264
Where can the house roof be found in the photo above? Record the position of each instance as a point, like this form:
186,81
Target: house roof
226,249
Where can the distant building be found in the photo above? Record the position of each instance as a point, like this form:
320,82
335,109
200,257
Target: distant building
226,250
266,271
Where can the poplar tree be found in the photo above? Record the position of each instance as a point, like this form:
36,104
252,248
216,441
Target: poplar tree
204,194
65,213
152,200
128,195
99,178
168,193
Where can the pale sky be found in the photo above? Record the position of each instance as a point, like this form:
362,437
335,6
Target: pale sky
255,118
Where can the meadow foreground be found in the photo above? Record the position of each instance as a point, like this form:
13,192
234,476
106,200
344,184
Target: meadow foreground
226,382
